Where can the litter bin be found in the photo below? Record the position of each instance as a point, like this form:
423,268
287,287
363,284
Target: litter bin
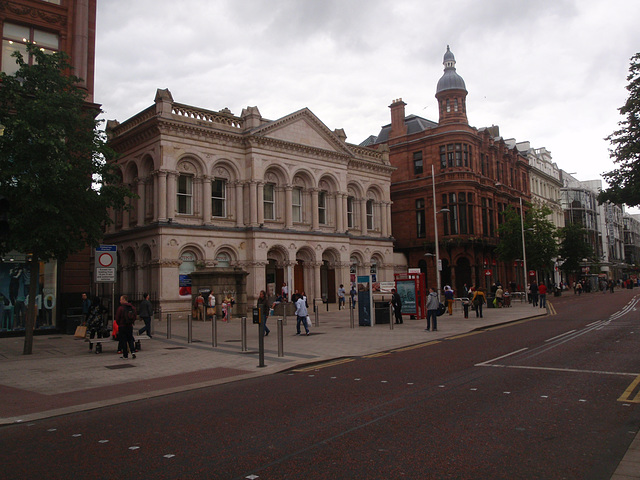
382,312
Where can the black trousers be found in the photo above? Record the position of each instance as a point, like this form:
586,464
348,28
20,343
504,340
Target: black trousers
125,339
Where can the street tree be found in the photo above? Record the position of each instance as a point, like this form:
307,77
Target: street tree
540,238
54,178
573,247
624,182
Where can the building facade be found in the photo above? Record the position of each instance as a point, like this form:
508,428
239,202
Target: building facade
284,201
476,176
54,25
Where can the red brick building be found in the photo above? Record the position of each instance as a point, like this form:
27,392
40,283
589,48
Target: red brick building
54,25
476,175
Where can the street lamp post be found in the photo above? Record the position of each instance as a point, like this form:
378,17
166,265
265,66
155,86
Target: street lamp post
435,230
524,253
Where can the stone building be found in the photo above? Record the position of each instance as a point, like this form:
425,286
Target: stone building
280,201
477,175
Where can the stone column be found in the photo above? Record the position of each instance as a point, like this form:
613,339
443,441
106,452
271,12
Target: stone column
315,222
126,214
161,196
141,202
172,192
253,203
288,206
363,216
383,220
260,203
340,212
239,204
206,200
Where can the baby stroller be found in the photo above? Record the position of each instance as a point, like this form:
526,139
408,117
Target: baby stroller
97,323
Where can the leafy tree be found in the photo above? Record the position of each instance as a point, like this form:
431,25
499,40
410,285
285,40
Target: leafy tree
624,182
540,237
53,174
574,247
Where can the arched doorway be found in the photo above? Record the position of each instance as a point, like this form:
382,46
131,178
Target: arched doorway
463,274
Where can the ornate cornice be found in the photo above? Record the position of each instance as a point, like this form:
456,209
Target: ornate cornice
33,12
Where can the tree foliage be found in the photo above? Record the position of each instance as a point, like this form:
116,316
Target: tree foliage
573,247
540,238
624,182
53,170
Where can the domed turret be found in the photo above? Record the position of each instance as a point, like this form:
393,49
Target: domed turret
450,80
451,93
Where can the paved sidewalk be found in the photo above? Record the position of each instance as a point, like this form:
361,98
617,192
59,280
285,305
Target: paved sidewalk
63,376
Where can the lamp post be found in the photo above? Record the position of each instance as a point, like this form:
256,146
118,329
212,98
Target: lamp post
435,230
524,253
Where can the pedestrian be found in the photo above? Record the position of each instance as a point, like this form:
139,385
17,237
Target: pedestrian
263,305
86,308
448,296
396,302
533,290
499,297
341,296
465,306
542,294
284,291
432,309
478,300
211,305
295,296
611,285
301,314
145,310
354,296
125,318
579,288
199,304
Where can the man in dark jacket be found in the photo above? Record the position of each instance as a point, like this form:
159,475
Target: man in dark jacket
125,316
396,302
146,312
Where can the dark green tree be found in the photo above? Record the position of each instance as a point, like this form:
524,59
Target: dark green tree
540,238
624,182
53,171
573,247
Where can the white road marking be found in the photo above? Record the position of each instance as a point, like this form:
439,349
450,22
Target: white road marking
500,358
559,336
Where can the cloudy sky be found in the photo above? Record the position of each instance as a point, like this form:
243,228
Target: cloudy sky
552,72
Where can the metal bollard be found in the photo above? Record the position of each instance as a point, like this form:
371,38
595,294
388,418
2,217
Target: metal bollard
189,329
390,317
351,316
280,338
317,321
214,331
168,326
243,332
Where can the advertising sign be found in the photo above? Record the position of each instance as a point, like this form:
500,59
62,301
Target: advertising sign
407,291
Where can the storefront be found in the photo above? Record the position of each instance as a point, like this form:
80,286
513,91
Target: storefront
15,282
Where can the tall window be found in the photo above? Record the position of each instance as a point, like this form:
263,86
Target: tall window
185,194
458,154
219,198
369,214
350,212
269,202
417,163
443,156
296,204
16,37
322,208
450,155
488,226
421,228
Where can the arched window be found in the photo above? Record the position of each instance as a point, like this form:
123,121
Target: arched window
296,204
370,223
223,259
219,197
185,194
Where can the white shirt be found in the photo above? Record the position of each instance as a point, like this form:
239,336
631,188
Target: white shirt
301,307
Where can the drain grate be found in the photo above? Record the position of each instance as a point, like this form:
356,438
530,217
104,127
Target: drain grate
118,367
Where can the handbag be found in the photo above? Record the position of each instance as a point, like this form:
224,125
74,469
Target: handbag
307,322
211,311
81,331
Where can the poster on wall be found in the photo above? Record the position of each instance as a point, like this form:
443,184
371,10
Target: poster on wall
364,301
407,291
185,285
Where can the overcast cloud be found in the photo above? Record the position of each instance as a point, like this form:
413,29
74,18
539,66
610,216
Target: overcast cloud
552,72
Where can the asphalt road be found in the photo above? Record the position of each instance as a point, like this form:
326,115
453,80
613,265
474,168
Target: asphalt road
550,398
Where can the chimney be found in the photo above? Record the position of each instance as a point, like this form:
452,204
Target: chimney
398,128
